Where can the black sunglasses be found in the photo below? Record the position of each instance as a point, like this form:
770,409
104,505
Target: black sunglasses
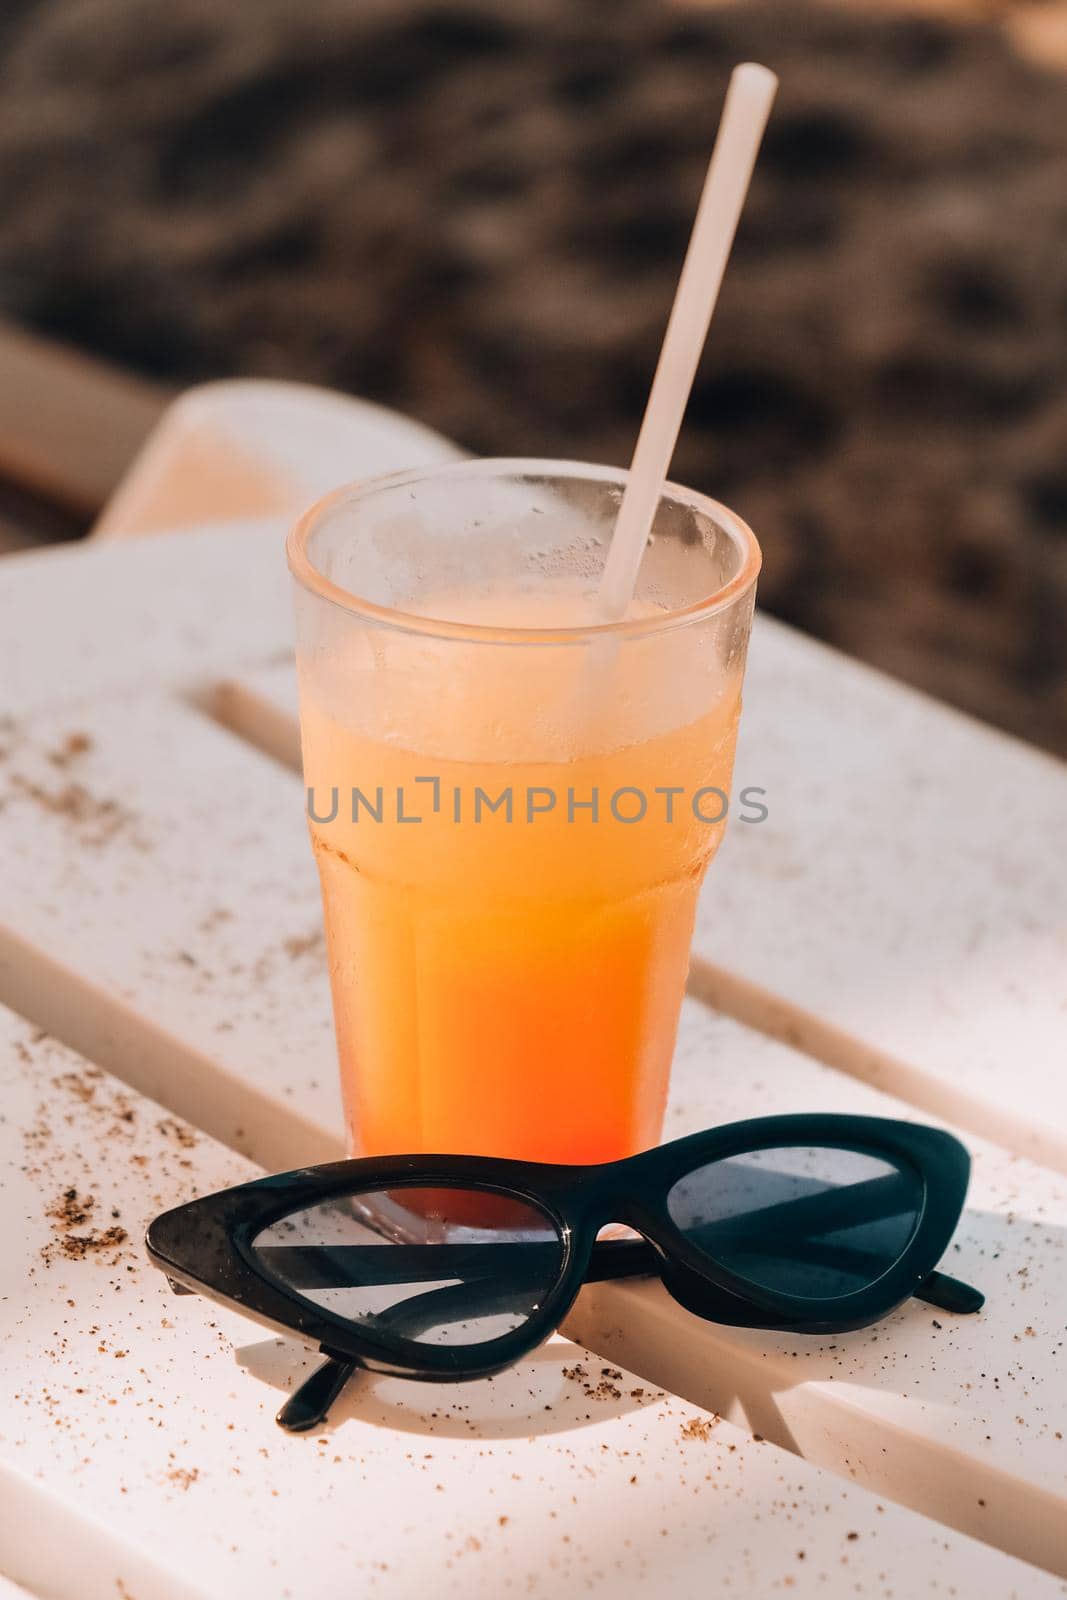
453,1267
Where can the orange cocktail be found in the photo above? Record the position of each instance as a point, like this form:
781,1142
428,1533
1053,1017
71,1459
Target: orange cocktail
511,808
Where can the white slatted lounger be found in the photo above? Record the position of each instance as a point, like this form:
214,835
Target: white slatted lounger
138,1457
168,926
164,1028
901,913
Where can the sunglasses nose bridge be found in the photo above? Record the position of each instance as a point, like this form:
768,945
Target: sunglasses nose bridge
621,1205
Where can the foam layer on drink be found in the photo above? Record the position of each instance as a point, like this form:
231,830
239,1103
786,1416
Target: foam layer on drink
548,603
474,699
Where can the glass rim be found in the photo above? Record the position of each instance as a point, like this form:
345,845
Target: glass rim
315,582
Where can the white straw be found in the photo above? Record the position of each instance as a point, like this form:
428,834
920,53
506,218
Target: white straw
748,104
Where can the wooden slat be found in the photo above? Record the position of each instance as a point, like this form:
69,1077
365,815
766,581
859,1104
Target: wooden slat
902,912
69,425
176,944
161,913
256,448
176,609
138,1456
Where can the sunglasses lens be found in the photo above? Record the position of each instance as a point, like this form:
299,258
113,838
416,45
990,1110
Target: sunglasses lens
814,1223
422,1266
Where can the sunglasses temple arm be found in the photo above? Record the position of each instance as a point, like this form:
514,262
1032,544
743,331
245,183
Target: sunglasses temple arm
611,1259
309,1406
634,1258
949,1294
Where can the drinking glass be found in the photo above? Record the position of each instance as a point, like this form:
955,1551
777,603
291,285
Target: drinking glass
512,804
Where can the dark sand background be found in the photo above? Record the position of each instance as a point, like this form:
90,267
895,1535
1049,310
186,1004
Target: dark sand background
476,211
